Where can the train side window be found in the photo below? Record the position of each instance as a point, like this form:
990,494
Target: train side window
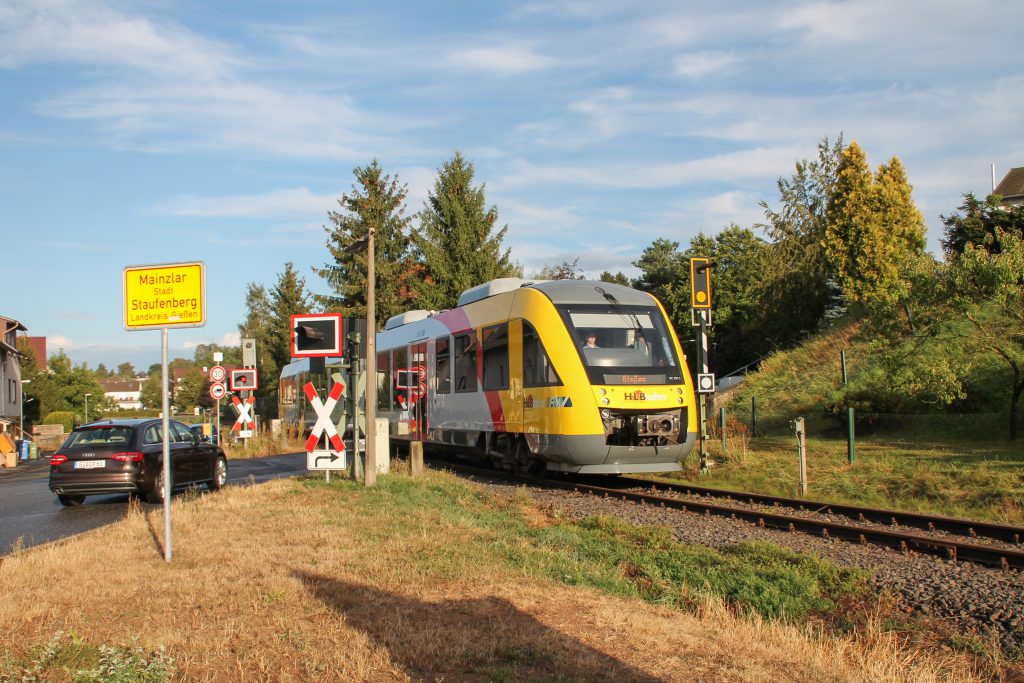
384,374
537,368
465,362
400,378
443,367
494,341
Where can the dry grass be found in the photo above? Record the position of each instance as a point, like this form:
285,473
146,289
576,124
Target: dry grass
290,582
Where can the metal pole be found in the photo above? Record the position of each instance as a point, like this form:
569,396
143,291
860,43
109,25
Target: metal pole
850,448
753,416
167,448
87,408
702,359
842,357
370,468
355,370
218,424
721,422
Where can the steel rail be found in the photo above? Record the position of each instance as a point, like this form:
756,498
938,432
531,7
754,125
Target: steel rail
956,525
1002,558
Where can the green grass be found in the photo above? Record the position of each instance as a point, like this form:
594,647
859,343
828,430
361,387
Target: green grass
603,553
985,483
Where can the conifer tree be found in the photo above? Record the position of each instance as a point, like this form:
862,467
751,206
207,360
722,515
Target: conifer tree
455,241
873,229
376,201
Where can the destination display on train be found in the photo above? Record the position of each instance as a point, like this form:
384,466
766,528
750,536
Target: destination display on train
165,295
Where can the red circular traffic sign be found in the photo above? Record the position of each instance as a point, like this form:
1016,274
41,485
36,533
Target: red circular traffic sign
217,390
217,373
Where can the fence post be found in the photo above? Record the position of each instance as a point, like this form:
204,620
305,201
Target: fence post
753,416
850,447
721,423
801,450
842,356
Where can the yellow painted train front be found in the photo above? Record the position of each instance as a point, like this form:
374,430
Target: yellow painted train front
567,375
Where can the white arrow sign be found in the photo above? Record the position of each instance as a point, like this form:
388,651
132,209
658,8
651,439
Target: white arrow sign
325,460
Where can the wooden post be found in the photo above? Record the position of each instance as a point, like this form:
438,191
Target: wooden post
416,458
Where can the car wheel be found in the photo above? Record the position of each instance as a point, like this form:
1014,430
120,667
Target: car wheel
157,494
70,501
220,475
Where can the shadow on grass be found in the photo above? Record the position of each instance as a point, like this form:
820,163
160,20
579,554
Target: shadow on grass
466,640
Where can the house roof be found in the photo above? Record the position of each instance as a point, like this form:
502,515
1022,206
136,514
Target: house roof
116,384
9,322
1012,185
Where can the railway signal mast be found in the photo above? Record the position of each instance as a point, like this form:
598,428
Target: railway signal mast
700,317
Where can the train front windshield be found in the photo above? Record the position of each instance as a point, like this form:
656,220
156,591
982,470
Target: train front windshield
623,344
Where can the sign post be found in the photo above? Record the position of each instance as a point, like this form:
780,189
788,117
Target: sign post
158,297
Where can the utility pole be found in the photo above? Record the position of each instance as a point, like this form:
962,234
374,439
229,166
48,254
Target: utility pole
370,468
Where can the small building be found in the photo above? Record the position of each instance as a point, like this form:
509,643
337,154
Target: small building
10,376
1011,189
126,394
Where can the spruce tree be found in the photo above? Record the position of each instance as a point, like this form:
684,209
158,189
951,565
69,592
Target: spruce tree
376,201
455,241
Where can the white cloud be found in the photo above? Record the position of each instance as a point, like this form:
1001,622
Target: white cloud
278,203
698,65
761,162
505,59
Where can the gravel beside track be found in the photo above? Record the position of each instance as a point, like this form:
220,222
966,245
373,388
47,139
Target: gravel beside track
970,599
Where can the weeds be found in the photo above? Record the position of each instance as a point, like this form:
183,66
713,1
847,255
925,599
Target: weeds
82,662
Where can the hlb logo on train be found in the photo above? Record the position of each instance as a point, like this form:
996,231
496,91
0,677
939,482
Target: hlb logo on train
643,396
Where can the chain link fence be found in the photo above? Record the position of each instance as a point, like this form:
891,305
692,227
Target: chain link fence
965,433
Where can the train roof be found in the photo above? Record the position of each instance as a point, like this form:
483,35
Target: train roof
591,292
560,291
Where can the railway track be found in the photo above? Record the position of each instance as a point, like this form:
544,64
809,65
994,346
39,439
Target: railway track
867,532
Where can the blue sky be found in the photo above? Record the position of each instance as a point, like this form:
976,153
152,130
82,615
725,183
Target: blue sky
169,131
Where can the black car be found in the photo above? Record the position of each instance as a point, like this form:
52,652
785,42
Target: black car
126,456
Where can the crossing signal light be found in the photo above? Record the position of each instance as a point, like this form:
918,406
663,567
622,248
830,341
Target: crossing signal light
700,283
316,335
244,380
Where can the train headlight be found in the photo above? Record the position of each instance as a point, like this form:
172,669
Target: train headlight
680,399
602,392
605,401
606,414
679,391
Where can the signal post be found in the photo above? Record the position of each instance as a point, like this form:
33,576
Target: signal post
700,309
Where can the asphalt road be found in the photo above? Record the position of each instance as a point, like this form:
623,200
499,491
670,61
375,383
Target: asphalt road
31,515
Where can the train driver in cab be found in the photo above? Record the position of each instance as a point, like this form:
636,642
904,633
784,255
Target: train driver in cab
591,337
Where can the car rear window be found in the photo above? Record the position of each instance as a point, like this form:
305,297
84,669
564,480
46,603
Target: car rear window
99,436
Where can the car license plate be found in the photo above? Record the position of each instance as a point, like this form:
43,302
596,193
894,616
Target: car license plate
90,464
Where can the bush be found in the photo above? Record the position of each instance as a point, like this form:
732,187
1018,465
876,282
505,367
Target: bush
61,417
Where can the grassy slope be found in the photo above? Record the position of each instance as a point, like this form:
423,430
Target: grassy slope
910,466
428,579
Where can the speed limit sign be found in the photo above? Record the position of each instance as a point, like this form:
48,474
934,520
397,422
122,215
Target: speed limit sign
217,391
217,373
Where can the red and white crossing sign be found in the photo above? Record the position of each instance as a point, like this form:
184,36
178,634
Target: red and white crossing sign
218,391
243,408
323,417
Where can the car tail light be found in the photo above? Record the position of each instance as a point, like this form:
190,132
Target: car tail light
132,456
57,459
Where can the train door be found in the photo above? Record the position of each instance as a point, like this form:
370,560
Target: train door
418,391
